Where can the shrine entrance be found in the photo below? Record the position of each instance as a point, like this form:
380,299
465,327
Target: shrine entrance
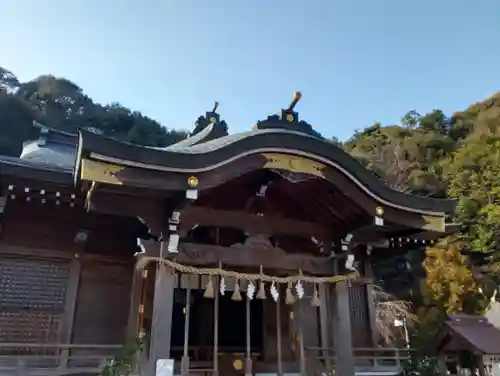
231,327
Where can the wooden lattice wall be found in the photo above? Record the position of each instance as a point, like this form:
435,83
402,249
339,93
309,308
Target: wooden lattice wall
32,298
360,321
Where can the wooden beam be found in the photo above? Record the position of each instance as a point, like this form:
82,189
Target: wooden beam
139,177
125,205
252,223
199,254
50,253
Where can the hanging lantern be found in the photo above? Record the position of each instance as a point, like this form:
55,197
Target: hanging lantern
209,289
236,294
289,298
315,302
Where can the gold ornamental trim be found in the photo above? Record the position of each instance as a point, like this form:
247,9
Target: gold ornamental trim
100,172
294,163
432,223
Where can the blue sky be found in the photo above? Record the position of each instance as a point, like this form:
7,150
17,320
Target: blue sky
356,62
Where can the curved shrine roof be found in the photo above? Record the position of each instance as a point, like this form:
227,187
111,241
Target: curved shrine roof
59,155
275,135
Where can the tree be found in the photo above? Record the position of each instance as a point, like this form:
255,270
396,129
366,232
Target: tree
388,309
62,104
473,176
8,81
450,281
411,119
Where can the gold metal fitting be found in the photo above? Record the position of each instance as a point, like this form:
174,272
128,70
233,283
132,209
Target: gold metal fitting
379,211
193,181
238,364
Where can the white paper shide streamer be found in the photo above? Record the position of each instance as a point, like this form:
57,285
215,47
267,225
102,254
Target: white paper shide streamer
299,289
250,290
222,286
274,292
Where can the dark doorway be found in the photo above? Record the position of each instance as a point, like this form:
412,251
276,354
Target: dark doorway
232,324
232,337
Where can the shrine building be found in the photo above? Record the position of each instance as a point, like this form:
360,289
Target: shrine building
240,254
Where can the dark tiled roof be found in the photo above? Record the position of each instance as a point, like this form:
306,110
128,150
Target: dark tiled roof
220,142
50,157
51,154
477,331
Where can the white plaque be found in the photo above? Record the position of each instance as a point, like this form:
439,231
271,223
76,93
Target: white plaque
164,367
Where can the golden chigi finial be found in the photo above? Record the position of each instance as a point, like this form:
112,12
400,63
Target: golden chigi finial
296,98
216,104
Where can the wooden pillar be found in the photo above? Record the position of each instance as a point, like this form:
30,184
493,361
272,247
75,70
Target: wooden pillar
442,369
162,314
72,288
370,301
163,298
187,311
325,314
480,365
279,355
344,357
135,302
324,324
248,356
302,355
216,327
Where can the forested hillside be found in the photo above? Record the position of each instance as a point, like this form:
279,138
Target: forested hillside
434,154
61,104
440,155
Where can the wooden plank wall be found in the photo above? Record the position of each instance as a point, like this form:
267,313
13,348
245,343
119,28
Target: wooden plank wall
103,301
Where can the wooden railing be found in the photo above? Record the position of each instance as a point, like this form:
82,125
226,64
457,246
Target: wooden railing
26,359
380,360
22,359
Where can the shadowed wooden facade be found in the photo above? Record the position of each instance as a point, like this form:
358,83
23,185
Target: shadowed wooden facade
278,198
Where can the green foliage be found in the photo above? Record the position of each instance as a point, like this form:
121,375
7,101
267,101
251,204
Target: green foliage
473,177
458,157
61,104
125,362
449,278
420,365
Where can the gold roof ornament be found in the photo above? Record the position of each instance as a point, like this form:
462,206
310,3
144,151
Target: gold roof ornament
296,98
216,105
289,114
